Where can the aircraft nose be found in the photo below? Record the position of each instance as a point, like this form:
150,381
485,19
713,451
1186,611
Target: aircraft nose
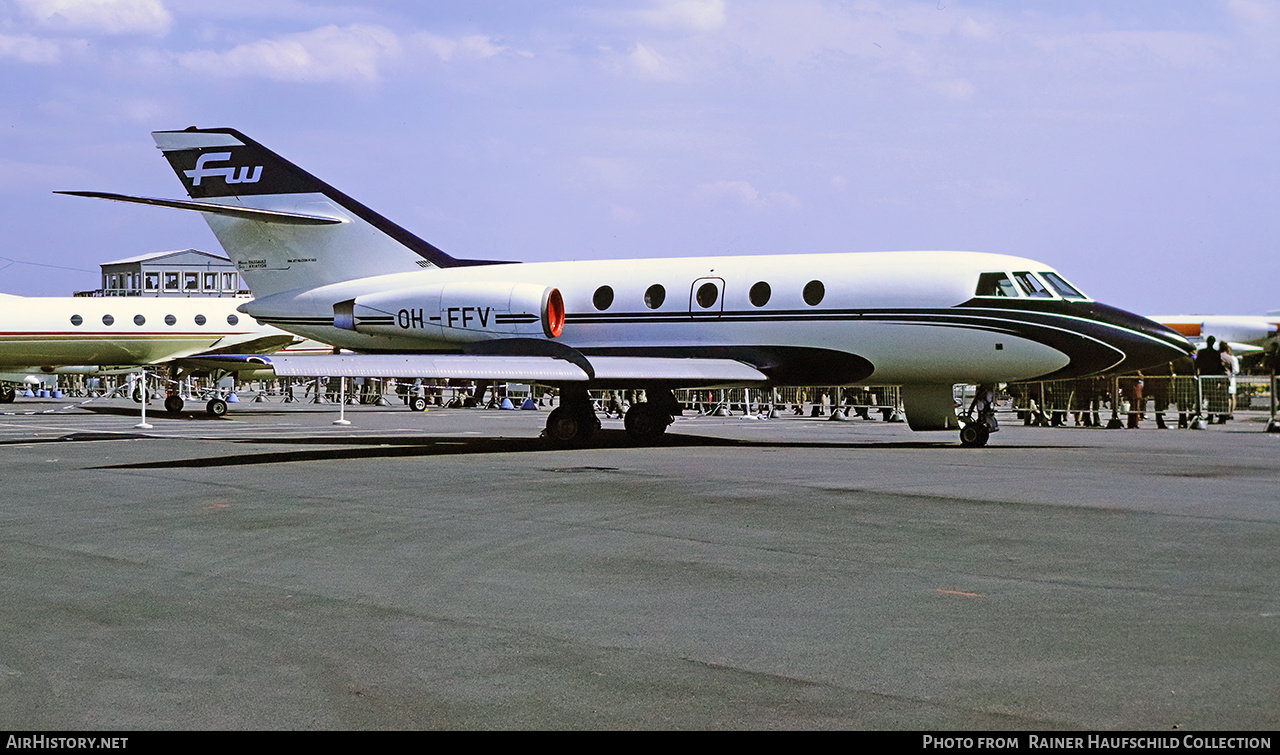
1145,343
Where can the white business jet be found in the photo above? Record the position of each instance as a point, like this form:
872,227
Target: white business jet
326,267
100,335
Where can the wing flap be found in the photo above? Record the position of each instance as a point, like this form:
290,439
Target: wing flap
449,366
534,369
672,370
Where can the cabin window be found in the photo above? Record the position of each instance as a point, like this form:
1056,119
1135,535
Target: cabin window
707,295
1064,289
200,320
108,320
1031,285
76,320
759,294
995,284
139,320
170,320
232,319
813,293
654,296
603,297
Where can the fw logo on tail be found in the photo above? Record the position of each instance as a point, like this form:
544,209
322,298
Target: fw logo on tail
232,174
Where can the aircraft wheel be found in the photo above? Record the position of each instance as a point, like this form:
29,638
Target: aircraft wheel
7,394
216,408
974,435
173,404
417,404
570,426
646,423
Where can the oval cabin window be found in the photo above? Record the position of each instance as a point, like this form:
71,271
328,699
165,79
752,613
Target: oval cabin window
760,294
654,296
813,293
603,297
707,294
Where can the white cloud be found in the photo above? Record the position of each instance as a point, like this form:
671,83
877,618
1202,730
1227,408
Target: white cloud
648,64
695,15
748,195
1262,12
99,16
473,47
624,215
28,49
331,53
1163,48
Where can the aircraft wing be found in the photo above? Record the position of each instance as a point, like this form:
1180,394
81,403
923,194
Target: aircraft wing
531,369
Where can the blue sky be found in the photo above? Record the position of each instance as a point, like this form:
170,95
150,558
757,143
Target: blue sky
1132,145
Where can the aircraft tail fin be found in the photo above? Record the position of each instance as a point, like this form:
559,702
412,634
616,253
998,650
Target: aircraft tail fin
220,167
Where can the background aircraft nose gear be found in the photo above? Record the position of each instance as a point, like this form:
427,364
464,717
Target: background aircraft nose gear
980,421
216,407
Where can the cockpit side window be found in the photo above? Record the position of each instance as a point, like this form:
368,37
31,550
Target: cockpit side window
1031,285
995,284
1064,289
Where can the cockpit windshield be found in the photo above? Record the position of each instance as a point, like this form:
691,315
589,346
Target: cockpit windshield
995,284
1064,289
1031,285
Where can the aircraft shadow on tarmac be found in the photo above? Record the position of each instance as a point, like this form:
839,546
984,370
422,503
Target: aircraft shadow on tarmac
385,447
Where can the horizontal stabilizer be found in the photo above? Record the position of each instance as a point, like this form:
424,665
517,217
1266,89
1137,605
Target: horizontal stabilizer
244,213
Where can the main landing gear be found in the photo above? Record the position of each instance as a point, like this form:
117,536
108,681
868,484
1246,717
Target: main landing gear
572,424
979,422
647,421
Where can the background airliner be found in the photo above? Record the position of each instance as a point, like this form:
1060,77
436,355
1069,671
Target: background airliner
324,266
1245,333
93,334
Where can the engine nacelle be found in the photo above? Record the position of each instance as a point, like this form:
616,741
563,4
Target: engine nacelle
454,313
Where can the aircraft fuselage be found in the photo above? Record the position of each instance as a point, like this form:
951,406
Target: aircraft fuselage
828,319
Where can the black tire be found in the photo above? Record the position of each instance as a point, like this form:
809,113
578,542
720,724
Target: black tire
570,427
417,404
646,423
173,404
974,435
8,394
216,407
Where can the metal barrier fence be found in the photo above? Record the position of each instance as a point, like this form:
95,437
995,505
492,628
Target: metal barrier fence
1114,402
816,401
1131,398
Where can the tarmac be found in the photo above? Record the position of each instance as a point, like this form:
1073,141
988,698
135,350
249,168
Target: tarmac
271,570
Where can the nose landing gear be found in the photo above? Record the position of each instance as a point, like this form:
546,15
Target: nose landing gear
979,422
